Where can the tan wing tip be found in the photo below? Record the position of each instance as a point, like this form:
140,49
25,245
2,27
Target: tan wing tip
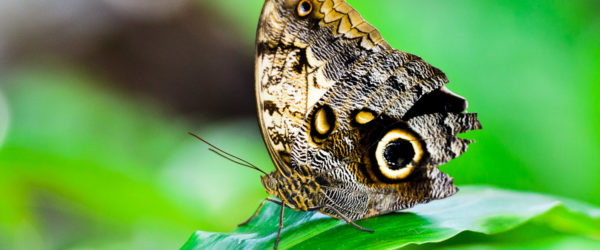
351,24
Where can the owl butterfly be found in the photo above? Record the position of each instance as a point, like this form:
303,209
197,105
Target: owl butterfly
354,127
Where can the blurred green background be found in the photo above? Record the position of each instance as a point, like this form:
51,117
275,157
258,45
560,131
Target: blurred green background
97,97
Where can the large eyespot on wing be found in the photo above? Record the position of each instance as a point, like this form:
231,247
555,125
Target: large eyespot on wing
397,154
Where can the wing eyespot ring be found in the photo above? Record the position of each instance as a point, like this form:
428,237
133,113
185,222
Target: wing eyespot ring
322,123
304,8
398,153
363,117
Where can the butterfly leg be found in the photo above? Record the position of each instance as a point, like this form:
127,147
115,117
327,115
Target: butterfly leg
280,225
258,211
310,209
348,220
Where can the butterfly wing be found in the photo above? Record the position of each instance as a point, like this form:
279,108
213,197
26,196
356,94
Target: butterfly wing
299,59
370,122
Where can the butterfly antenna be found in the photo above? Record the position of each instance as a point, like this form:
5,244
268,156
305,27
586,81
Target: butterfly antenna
229,156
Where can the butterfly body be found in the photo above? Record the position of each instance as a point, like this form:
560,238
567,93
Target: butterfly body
298,191
355,128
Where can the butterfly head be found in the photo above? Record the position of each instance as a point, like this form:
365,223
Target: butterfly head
269,181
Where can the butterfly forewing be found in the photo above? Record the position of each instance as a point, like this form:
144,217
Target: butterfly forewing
299,59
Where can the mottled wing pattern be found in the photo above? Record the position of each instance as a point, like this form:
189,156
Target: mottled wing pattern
329,89
298,60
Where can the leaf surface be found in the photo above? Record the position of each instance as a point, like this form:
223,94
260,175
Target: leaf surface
483,210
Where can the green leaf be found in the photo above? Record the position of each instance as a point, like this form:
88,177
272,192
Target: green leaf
482,210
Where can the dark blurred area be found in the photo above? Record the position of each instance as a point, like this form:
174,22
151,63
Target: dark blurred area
177,52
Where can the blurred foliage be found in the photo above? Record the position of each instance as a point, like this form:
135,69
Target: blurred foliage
79,160
479,210
84,165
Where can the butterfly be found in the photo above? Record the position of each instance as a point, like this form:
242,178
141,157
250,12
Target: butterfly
355,128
